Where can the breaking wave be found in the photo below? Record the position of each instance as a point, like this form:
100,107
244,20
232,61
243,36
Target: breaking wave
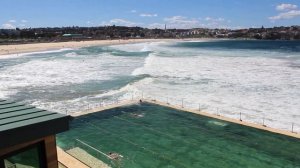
223,77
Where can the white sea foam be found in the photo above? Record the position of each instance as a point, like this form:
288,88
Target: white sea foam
33,53
131,47
71,54
148,46
256,83
254,86
56,72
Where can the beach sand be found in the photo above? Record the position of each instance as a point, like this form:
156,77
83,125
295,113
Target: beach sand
35,47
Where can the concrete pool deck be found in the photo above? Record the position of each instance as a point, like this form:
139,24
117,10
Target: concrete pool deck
68,160
102,108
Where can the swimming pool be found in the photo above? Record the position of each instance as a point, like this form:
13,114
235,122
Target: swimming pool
148,135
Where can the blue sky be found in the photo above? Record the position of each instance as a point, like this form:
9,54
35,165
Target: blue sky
150,13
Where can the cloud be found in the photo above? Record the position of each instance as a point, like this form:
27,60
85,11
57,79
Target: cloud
156,25
207,18
181,22
89,22
22,25
286,15
133,11
120,22
148,15
219,22
215,19
284,7
12,24
288,11
8,26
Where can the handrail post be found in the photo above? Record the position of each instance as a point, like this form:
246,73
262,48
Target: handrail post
292,127
199,107
181,103
167,100
241,116
264,122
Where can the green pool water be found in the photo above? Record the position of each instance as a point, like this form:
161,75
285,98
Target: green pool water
148,135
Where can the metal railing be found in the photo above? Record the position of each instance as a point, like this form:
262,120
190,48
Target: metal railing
11,166
97,153
251,118
260,119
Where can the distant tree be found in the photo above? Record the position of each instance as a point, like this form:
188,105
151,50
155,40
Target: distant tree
257,36
128,34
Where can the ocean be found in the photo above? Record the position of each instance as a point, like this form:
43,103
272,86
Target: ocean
259,80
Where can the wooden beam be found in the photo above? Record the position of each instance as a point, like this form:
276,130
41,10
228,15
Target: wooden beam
48,143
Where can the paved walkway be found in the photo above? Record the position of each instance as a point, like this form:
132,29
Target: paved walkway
69,161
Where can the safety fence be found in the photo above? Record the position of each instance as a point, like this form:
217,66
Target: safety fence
184,104
92,156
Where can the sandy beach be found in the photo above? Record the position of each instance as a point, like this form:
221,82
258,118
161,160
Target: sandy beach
35,47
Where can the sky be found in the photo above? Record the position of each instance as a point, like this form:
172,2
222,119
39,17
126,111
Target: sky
233,14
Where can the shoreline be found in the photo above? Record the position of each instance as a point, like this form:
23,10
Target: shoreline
16,49
6,50
13,49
